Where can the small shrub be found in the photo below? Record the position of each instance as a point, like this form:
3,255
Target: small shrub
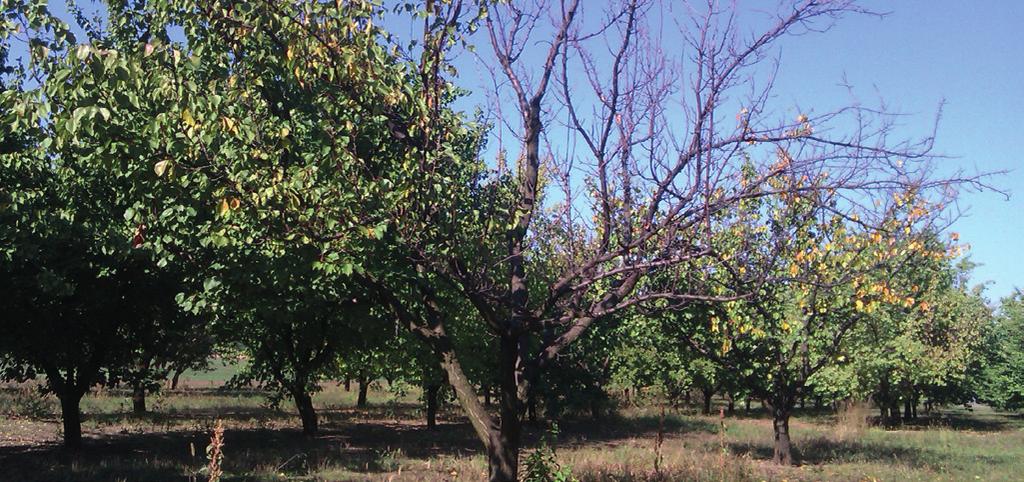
543,466
389,460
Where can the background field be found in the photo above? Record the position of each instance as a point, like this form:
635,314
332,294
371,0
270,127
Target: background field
389,441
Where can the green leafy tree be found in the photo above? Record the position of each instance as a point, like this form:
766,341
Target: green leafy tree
86,294
816,274
1003,375
903,355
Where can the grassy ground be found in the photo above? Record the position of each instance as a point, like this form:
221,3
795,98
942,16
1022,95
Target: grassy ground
388,441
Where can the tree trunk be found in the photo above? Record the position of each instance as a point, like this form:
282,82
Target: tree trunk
431,396
746,407
304,403
907,410
138,398
706,410
894,412
503,454
363,386
487,395
783,453
348,384
503,449
175,378
731,409
71,417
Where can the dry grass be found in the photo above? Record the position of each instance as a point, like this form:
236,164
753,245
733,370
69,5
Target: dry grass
388,442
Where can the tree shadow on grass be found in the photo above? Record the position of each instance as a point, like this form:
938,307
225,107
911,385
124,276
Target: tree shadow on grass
170,417
820,450
359,447
961,421
355,440
579,432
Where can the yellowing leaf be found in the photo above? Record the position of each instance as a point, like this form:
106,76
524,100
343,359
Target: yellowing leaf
186,117
223,208
161,167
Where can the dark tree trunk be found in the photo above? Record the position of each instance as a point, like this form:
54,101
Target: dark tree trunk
175,378
363,386
708,393
348,384
503,455
803,403
304,403
746,405
783,452
431,396
503,449
731,409
908,409
138,398
817,403
894,412
71,417
487,395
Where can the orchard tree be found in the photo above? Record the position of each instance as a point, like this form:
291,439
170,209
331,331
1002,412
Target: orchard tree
903,355
292,323
171,340
815,273
86,295
286,155
1003,375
